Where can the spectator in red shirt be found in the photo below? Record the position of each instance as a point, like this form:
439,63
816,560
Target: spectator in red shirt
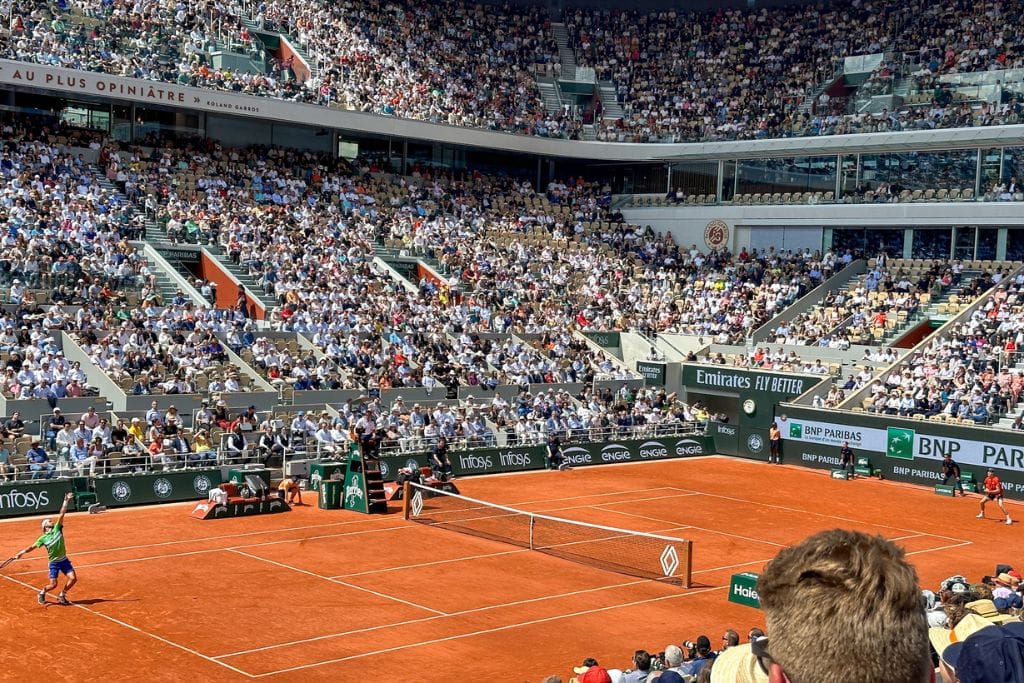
992,489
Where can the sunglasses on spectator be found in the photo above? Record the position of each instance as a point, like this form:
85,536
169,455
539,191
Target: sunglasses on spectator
759,648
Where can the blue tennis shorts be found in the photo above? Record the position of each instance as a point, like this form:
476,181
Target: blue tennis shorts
61,567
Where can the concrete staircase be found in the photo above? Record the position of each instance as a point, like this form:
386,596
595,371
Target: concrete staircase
551,94
566,53
609,101
155,234
936,310
254,27
248,281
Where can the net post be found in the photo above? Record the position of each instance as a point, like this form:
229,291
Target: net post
687,562
533,520
406,499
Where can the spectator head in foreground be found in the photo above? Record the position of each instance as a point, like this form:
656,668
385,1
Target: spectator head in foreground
843,607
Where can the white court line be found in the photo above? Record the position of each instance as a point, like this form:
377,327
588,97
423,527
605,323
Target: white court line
217,550
431,564
283,541
944,547
481,632
589,495
421,620
472,610
730,566
294,528
339,582
699,528
903,538
218,538
821,514
145,633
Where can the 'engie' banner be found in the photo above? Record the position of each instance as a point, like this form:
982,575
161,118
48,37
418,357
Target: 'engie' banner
906,450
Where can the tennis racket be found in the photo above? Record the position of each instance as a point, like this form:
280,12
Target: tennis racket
8,561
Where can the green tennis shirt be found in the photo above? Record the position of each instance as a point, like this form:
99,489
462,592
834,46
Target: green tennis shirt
54,542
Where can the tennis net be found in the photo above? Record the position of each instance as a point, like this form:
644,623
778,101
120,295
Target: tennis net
647,556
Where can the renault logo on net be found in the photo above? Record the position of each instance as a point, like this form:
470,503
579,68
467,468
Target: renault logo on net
669,560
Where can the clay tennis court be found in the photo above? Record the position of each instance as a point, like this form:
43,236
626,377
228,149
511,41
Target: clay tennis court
334,595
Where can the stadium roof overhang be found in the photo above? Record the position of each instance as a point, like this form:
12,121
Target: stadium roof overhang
70,83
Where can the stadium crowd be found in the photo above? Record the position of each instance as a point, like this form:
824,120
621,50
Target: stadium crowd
459,64
967,374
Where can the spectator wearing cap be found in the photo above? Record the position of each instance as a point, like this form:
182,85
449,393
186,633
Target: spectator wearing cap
302,427
1005,594
54,425
846,593
992,654
38,461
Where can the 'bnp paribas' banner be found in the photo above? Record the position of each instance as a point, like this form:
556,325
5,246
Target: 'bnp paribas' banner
525,458
757,391
905,450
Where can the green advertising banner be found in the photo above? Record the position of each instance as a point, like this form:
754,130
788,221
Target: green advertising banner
638,451
611,340
526,458
904,450
491,460
157,487
652,372
753,443
354,496
323,471
743,590
32,497
757,391
726,436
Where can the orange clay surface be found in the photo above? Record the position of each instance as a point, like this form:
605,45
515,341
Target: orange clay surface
334,595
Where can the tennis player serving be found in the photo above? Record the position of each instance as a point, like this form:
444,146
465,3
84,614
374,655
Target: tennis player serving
53,539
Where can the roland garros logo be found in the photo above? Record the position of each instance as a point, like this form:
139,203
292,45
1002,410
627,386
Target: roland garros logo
162,488
716,234
201,484
121,491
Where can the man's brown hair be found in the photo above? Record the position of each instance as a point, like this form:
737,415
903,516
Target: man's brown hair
845,607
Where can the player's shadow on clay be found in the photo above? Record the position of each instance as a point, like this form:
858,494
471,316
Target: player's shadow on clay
95,601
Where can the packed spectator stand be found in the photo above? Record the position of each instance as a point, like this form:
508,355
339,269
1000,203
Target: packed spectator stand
459,64
524,269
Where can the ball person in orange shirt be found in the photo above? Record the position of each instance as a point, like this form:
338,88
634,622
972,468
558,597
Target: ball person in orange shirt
992,489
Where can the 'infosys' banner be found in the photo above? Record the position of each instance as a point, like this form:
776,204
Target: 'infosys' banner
32,498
